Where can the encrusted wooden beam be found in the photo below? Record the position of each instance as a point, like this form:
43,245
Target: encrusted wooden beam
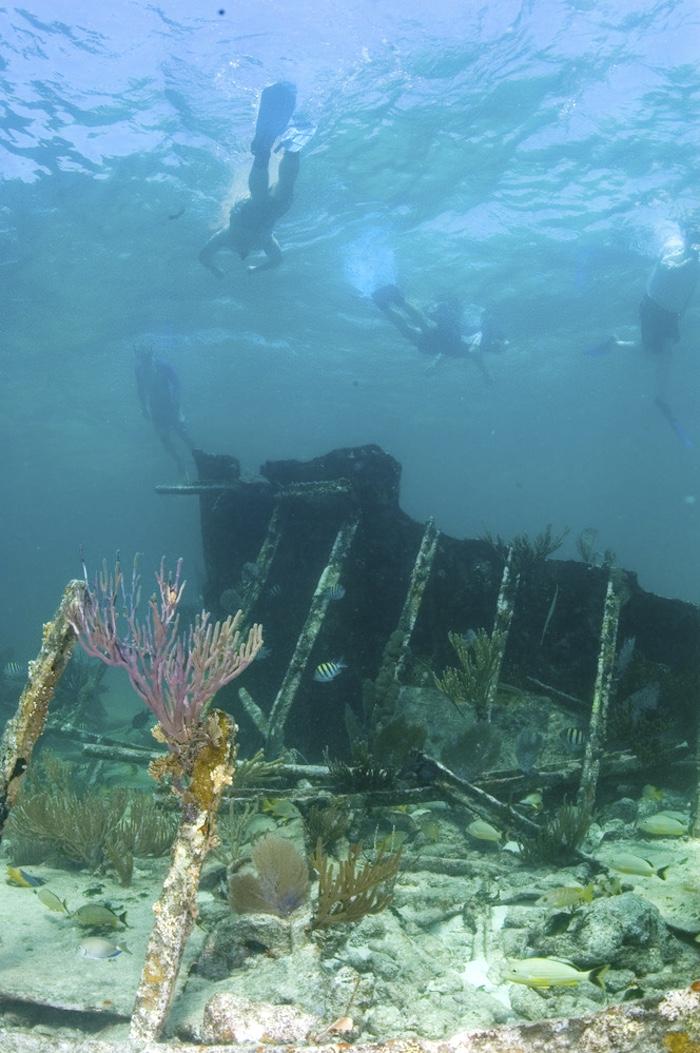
320,601
24,728
590,769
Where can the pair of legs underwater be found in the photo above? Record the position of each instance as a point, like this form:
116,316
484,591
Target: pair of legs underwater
659,331
253,218
440,335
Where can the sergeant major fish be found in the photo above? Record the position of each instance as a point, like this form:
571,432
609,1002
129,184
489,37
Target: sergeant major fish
327,671
573,738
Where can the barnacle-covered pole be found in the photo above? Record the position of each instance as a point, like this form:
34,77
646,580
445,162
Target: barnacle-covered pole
284,700
695,823
505,605
205,770
590,769
263,562
385,689
177,677
25,727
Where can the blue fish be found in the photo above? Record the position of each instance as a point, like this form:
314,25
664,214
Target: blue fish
327,671
336,592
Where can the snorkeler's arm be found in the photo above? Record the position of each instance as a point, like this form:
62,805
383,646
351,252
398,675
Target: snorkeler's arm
216,242
274,256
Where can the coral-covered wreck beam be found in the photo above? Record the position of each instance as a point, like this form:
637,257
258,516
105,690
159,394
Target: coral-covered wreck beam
176,674
23,730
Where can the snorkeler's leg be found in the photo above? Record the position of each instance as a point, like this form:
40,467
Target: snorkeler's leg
287,173
662,373
259,178
216,242
411,333
181,429
169,447
415,316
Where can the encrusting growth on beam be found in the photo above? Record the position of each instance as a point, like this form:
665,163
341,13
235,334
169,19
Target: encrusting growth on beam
24,729
177,676
585,797
320,601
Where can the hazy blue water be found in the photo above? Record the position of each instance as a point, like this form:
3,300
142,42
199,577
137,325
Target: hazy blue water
526,157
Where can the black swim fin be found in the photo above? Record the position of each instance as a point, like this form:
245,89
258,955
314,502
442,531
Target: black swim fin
667,414
276,108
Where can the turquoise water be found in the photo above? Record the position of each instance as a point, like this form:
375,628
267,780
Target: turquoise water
528,158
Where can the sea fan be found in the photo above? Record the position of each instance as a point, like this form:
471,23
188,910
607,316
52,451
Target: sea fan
281,884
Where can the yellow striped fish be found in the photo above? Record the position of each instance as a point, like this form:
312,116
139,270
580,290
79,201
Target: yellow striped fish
327,671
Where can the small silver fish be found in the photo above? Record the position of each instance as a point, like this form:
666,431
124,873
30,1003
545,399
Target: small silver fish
663,825
567,896
629,863
327,671
98,947
98,916
336,592
551,972
483,831
263,653
274,592
51,901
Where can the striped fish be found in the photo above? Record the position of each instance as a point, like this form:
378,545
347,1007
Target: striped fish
336,592
574,738
327,671
16,671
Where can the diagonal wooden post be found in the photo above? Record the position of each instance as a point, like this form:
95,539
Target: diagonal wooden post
505,605
590,769
208,769
320,601
23,730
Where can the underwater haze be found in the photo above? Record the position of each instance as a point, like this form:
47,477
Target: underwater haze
527,159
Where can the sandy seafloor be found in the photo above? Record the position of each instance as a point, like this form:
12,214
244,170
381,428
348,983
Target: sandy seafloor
431,965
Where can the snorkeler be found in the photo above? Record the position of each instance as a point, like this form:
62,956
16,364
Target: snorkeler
439,335
669,290
252,219
159,394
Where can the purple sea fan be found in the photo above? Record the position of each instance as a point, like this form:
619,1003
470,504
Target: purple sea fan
175,674
281,884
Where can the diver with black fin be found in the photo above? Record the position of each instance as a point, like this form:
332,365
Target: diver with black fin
439,334
252,219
